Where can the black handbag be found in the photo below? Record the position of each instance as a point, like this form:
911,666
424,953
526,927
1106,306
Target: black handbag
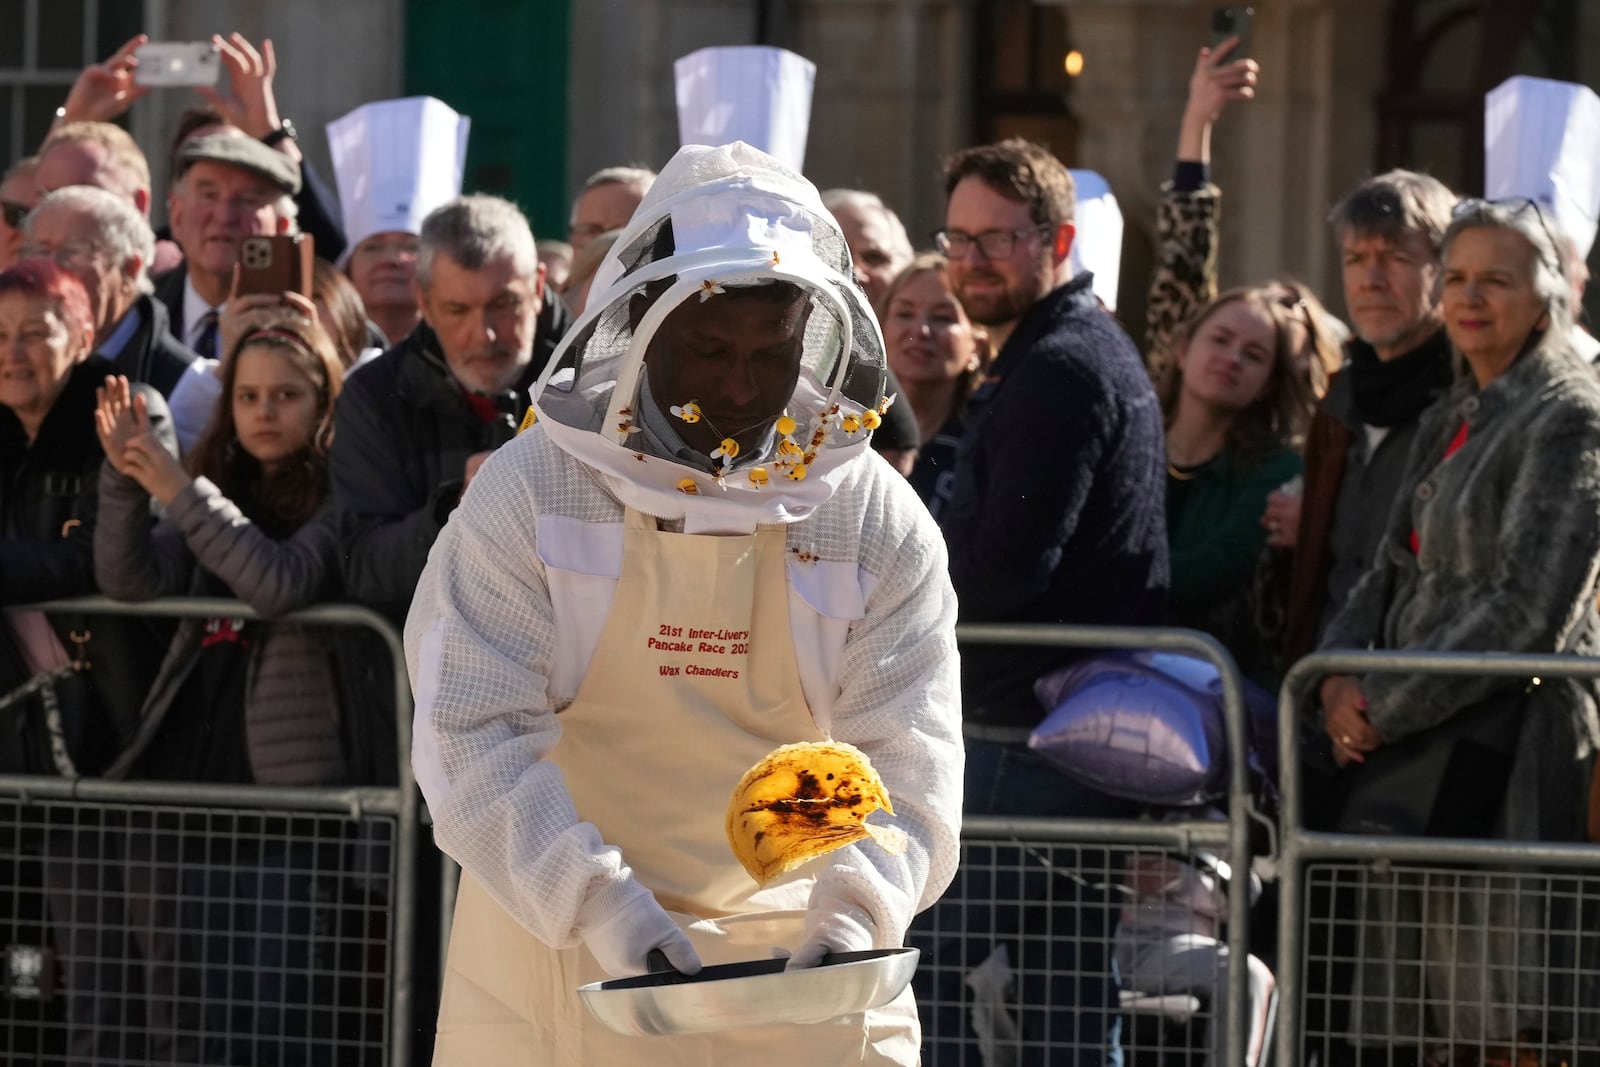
1446,781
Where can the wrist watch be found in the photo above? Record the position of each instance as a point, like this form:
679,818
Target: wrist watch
285,131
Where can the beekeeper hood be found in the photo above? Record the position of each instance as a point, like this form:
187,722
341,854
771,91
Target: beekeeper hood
728,368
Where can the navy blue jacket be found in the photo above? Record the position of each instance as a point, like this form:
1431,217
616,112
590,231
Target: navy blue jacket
1058,513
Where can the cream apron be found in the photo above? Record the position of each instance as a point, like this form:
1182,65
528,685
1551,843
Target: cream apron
694,680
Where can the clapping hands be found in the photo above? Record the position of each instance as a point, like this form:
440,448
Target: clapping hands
122,420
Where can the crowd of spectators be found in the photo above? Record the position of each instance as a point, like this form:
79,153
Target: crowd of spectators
1421,479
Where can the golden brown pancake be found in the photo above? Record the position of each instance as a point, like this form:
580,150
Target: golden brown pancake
803,801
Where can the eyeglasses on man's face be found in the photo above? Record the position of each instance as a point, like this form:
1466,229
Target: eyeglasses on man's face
69,255
993,244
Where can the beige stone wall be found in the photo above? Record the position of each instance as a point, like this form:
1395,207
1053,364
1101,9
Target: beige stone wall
891,93
1282,160
333,55
894,96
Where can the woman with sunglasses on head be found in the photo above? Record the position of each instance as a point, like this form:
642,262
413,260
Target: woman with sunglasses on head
1493,545
1235,406
235,700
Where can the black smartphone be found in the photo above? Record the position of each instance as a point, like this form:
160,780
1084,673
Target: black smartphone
1229,22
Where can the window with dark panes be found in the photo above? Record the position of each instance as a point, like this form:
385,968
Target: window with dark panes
44,44
1025,68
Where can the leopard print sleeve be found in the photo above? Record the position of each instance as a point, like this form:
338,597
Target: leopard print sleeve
1185,278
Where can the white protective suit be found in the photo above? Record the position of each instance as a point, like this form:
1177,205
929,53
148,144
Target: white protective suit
520,590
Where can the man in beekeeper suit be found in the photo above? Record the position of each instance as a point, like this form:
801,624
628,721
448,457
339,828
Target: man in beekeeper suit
689,558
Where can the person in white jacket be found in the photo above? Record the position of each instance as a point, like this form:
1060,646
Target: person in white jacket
690,557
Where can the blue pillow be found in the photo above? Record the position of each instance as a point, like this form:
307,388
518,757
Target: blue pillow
1146,726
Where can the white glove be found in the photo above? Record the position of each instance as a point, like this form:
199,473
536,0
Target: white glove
620,943
835,922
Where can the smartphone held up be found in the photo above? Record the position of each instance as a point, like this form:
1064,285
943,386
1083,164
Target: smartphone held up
276,265
176,64
1229,22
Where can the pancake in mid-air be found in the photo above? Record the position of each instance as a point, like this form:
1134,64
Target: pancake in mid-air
803,801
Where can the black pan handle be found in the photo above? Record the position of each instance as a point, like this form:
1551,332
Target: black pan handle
657,963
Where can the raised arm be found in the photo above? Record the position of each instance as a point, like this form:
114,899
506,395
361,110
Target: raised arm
1187,221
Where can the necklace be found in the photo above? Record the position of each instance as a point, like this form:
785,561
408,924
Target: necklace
1183,474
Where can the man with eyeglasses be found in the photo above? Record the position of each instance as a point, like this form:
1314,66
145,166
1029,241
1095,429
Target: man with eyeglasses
1057,516
102,240
18,194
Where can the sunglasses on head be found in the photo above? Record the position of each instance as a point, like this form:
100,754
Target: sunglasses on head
13,213
1517,205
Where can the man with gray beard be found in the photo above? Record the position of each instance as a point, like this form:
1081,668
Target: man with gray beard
414,426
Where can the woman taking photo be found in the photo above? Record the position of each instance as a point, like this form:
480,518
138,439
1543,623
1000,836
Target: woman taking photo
937,354
1235,406
1493,546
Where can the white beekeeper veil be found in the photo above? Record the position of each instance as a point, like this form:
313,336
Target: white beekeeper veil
1097,243
1542,141
717,221
395,161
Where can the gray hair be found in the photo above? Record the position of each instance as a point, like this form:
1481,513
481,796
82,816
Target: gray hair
122,230
474,231
861,200
641,178
1526,219
1394,204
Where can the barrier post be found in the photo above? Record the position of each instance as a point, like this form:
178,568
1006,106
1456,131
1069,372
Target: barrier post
1301,846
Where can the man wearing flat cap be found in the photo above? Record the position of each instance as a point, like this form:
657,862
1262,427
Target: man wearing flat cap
229,186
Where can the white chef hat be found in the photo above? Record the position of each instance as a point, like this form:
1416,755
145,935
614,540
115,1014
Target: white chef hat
718,221
1542,141
751,93
394,162
1097,246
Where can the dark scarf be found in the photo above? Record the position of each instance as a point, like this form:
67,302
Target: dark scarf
1394,392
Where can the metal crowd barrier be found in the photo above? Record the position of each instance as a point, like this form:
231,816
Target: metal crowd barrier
202,923
1004,982
1401,950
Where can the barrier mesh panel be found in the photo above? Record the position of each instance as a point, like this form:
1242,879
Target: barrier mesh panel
1045,953
1412,964
157,934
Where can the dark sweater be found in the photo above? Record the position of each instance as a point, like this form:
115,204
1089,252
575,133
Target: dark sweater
1058,513
1214,528
404,429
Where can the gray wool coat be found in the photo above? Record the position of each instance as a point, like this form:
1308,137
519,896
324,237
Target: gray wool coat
1508,530
292,726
